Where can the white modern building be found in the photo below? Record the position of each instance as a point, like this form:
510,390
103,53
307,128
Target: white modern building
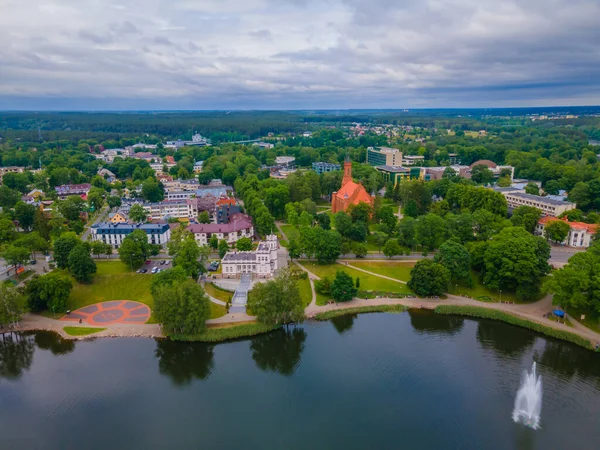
114,233
580,235
181,209
261,262
287,162
240,225
549,206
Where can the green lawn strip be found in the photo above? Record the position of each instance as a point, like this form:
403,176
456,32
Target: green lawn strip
290,231
367,282
219,293
226,333
217,311
322,299
81,331
592,318
305,291
113,267
361,309
397,270
24,275
485,313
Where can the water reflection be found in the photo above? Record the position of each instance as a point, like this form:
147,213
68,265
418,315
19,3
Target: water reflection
280,350
48,340
426,321
566,360
344,323
182,362
502,341
16,355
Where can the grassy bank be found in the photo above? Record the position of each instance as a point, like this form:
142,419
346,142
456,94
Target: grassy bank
219,293
361,309
485,313
227,333
82,331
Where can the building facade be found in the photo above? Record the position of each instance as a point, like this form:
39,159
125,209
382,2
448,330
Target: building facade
261,262
240,225
549,207
580,235
225,208
10,169
322,167
384,156
115,233
67,190
180,209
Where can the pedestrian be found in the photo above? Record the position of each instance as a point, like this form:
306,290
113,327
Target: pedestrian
80,320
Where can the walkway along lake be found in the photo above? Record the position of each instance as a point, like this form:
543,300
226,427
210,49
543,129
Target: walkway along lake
413,380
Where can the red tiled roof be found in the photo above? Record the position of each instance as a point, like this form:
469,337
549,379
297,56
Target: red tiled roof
589,227
237,222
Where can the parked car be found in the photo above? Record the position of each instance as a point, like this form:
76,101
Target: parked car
154,269
148,262
162,263
33,261
138,271
167,262
143,270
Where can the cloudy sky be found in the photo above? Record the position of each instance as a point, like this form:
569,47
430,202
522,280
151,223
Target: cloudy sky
303,54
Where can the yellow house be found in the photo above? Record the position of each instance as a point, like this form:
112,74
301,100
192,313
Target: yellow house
118,217
36,194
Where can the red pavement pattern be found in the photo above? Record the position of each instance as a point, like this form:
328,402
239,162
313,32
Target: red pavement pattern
106,313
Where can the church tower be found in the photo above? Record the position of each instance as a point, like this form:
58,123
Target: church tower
347,171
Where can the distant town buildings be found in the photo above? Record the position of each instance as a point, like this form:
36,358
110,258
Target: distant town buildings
580,234
115,233
67,190
412,160
261,262
322,167
10,169
180,209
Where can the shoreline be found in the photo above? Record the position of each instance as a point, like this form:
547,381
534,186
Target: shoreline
230,331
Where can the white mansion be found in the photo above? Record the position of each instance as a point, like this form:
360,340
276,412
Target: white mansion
261,262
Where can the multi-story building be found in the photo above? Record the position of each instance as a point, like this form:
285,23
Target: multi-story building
10,169
180,209
224,208
384,156
322,167
239,226
548,206
413,160
115,233
580,234
118,217
67,190
261,262
287,162
395,174
198,166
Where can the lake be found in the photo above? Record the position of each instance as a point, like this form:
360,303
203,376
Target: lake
384,381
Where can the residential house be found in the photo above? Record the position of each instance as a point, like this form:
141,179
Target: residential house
67,190
261,262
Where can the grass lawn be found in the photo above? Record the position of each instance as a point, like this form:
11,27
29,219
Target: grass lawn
217,310
25,275
322,300
392,269
371,245
113,267
305,291
82,331
481,292
322,202
217,292
290,231
592,318
367,282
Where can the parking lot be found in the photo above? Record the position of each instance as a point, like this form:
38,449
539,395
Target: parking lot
149,265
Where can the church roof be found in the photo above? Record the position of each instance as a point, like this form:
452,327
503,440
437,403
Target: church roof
350,189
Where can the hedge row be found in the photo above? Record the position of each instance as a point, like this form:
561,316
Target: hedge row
362,309
226,333
487,313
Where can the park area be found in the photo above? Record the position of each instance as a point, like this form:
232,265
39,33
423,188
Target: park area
115,281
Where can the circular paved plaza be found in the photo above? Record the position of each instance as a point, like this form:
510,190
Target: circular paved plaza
106,313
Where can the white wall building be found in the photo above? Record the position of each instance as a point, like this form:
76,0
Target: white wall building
549,206
580,235
114,233
261,262
239,226
181,209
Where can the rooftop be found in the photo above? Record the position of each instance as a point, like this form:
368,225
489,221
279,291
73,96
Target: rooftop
237,222
396,169
539,198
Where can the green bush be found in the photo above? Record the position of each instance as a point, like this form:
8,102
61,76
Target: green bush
227,333
362,309
485,313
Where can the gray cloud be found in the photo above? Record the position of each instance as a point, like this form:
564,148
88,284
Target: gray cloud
300,53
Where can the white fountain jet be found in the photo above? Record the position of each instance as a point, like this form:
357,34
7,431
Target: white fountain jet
528,403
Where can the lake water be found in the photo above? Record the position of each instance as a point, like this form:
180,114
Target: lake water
376,381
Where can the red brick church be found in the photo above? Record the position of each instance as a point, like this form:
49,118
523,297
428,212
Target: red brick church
350,193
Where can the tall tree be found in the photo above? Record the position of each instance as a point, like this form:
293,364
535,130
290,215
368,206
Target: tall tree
223,248
135,249
14,255
25,214
429,278
12,305
81,264
342,288
557,230
62,247
204,217
8,231
182,308
244,244
277,301
187,258
71,207
526,217
454,257
49,291
137,213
